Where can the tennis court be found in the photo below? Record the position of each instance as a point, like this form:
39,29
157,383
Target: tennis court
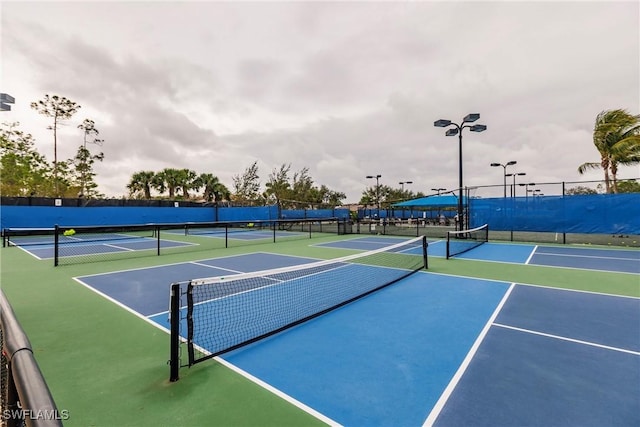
613,260
43,247
502,335
246,234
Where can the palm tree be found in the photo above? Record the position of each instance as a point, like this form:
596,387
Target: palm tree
187,181
214,190
616,135
169,179
141,183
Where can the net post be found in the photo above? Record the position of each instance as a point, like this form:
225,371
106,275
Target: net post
274,226
226,235
192,355
174,361
448,242
424,252
56,245
157,231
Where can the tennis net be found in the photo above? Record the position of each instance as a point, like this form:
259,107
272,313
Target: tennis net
216,315
459,242
73,235
80,244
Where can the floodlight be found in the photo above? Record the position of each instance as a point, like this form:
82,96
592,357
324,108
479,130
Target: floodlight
471,117
442,123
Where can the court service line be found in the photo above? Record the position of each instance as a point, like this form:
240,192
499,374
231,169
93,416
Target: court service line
216,267
117,247
558,337
437,408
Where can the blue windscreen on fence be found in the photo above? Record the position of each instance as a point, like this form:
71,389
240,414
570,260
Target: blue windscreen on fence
592,214
48,216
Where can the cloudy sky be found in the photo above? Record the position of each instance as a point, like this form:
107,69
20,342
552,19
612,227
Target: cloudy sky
346,89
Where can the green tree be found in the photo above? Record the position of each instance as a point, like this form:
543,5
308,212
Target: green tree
278,187
86,159
24,171
334,198
140,184
324,197
303,191
187,181
384,193
629,186
579,190
616,136
213,189
60,109
64,185
247,186
170,179
369,197
84,175
395,195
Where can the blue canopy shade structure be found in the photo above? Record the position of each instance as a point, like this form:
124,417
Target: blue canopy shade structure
441,201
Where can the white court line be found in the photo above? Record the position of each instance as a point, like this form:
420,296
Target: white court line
533,252
216,267
437,408
586,256
114,246
529,331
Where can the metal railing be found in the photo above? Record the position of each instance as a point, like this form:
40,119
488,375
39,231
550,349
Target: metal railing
25,397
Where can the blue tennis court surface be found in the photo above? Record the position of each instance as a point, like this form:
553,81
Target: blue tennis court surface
617,260
611,260
43,248
432,349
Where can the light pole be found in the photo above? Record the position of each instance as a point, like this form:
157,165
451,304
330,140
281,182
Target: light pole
512,162
457,130
514,180
526,188
438,190
377,177
402,183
